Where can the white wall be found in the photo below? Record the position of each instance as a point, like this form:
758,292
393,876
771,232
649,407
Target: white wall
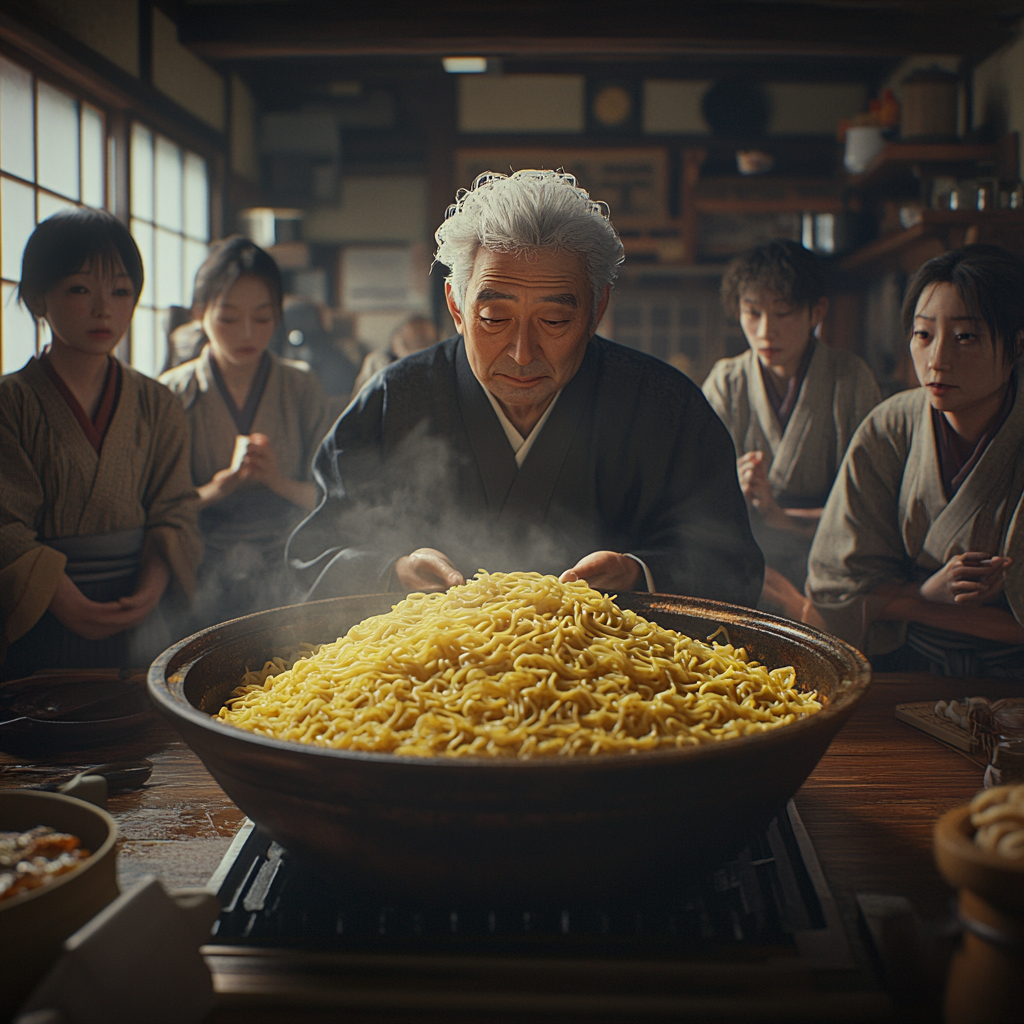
521,103
244,157
798,108
999,89
179,73
372,209
813,108
673,107
110,28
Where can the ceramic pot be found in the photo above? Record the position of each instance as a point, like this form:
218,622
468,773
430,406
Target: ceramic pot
863,144
986,976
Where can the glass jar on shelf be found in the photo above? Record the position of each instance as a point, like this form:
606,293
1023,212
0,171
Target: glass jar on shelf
964,195
986,196
1011,196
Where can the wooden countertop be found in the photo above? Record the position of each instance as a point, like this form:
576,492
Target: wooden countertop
871,803
869,806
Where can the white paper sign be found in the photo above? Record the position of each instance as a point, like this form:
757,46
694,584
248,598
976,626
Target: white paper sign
378,278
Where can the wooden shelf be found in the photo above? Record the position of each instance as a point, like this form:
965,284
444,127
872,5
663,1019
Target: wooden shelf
938,231
898,159
659,240
767,194
783,204
676,241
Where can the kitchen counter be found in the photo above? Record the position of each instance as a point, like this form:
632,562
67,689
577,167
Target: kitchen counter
869,806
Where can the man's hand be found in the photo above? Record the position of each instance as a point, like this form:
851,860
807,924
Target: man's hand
605,570
971,578
97,620
427,569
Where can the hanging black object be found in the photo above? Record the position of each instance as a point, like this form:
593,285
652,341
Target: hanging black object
736,108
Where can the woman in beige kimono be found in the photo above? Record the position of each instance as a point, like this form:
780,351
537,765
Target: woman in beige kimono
790,403
97,507
257,421
919,558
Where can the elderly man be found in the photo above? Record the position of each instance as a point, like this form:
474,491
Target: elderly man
527,442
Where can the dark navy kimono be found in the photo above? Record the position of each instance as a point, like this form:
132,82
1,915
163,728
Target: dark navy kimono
632,459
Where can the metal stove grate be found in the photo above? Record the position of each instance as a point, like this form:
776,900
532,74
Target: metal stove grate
760,902
758,940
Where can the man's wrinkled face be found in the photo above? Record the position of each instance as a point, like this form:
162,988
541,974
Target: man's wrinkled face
526,323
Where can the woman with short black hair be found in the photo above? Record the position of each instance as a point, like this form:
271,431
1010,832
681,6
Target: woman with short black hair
919,558
98,535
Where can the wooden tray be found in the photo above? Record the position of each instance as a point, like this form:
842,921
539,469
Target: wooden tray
921,715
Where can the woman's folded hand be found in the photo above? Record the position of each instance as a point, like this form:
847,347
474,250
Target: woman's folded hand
971,578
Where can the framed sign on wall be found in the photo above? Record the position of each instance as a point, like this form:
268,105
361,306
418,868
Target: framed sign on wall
382,277
633,182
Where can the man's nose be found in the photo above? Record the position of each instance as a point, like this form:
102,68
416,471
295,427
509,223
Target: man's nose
523,347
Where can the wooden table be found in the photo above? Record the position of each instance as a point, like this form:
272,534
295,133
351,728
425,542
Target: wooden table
869,806
873,800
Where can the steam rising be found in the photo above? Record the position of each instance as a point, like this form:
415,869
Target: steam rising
412,502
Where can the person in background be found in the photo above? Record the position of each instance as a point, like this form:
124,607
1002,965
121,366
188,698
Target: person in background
256,422
791,404
184,337
97,507
413,335
919,558
309,339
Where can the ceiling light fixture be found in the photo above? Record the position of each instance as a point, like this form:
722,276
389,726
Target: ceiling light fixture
464,65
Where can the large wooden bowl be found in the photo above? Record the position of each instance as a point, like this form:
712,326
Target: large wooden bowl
478,824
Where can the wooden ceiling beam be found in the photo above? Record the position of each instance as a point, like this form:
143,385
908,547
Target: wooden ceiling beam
315,28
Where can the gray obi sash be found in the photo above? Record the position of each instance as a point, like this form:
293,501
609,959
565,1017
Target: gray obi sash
101,557
960,656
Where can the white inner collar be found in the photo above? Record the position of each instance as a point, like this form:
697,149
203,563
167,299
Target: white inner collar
520,445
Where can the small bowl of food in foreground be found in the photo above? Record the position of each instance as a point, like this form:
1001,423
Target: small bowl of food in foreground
979,848
58,870
516,734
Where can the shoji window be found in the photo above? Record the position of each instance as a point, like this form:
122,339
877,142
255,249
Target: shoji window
170,211
52,156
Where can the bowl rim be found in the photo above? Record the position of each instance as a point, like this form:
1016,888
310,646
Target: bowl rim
96,856
167,693
954,835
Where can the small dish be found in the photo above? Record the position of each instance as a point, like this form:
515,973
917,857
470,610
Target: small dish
35,924
72,709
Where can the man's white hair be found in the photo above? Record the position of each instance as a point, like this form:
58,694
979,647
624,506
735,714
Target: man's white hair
522,213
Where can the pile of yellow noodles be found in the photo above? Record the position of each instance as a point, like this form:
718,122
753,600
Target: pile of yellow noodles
520,665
